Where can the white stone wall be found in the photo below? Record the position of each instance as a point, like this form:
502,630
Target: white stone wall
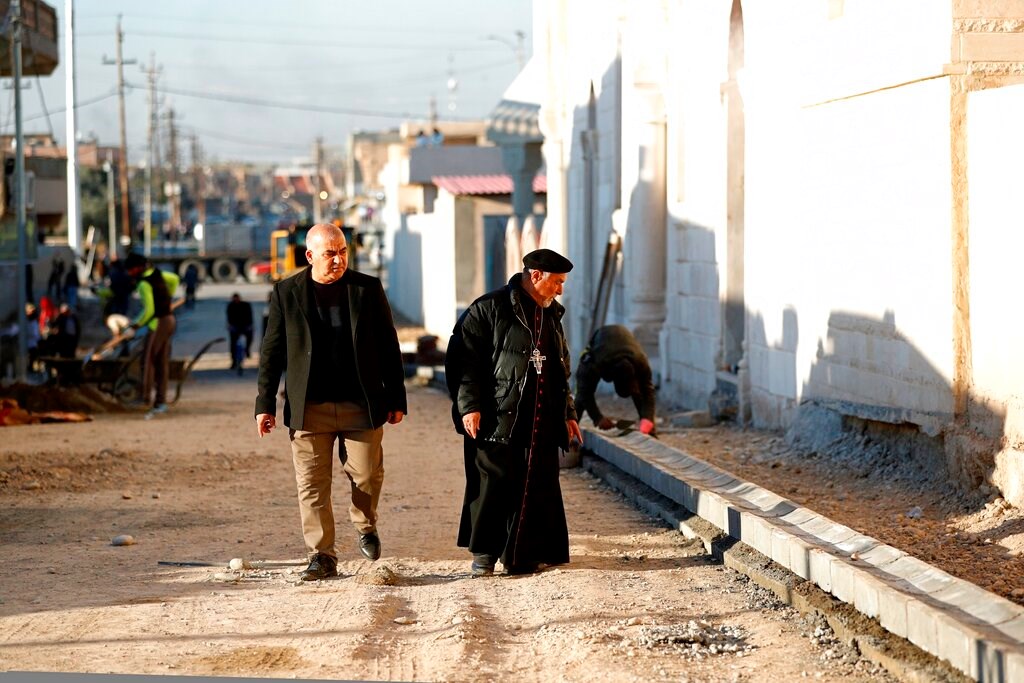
996,146
848,268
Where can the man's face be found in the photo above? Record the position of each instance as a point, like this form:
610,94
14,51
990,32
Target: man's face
327,254
547,285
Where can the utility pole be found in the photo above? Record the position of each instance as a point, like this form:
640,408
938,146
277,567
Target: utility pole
74,216
21,365
108,168
317,209
172,159
198,181
122,162
151,75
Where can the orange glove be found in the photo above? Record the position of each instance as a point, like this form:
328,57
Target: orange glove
646,426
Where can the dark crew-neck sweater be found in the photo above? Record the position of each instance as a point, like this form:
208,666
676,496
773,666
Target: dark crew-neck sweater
332,372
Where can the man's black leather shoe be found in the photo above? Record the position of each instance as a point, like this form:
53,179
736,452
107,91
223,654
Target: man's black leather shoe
369,545
520,569
320,567
483,564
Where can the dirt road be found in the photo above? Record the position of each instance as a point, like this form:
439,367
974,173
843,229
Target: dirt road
637,602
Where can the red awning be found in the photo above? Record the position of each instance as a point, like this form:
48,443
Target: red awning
485,184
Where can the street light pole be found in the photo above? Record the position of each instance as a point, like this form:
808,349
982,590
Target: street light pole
517,47
21,366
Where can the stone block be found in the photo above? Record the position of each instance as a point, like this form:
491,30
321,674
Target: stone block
692,419
712,508
921,626
757,533
842,580
987,607
992,47
881,555
821,569
892,612
869,591
800,557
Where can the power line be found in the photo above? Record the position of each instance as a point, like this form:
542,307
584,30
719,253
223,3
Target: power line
244,141
79,105
298,43
277,25
236,99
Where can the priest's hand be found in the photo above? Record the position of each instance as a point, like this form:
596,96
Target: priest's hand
605,423
471,423
395,416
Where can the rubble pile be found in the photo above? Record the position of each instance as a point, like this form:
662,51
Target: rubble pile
695,639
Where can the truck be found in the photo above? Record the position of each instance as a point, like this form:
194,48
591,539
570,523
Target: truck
220,251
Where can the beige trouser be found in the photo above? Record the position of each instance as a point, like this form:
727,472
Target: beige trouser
313,455
157,360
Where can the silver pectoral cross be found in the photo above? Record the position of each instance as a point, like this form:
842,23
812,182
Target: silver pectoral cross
538,360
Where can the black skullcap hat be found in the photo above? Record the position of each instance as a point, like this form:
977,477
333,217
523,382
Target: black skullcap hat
547,261
134,260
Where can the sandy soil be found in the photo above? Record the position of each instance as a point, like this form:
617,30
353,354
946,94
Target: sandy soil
637,602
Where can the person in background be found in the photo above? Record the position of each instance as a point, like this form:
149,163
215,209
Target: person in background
66,331
191,281
156,290
614,355
331,329
239,314
71,285
509,379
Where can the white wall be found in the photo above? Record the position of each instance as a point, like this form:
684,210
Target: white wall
996,146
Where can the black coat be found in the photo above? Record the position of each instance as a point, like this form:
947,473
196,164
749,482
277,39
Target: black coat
288,344
489,357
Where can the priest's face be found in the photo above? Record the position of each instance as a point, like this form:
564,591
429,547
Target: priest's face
547,286
327,253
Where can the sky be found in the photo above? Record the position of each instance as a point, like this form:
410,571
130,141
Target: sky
259,80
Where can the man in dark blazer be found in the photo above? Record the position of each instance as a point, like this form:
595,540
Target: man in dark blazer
331,329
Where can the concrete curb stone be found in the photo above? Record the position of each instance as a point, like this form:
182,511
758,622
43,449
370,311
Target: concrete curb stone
978,632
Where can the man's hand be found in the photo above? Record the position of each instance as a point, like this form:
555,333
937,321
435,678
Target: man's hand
471,423
646,426
575,435
264,423
606,423
395,416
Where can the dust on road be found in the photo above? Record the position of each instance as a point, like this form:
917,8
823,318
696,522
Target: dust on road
637,602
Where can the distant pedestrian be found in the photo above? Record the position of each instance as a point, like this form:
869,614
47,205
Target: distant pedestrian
191,282
55,283
156,290
71,285
239,314
66,331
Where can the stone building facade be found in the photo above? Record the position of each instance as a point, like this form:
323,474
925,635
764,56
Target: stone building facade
816,205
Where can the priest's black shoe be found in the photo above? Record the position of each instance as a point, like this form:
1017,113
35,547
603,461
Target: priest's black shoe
519,569
369,545
320,567
483,564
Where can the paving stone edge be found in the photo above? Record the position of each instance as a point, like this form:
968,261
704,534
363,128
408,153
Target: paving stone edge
901,658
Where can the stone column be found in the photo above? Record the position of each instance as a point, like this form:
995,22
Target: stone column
644,256
522,161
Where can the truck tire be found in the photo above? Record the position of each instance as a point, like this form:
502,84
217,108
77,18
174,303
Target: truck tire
224,270
249,270
200,268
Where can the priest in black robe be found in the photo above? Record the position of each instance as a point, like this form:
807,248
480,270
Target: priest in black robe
508,373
